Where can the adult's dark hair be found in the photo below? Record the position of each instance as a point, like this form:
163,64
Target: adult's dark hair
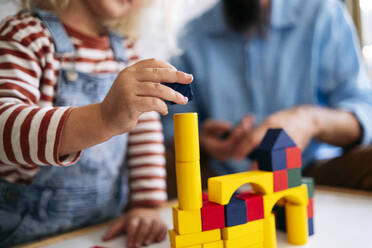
246,15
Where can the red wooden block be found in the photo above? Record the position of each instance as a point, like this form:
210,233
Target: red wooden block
204,197
310,208
293,157
254,202
213,216
280,180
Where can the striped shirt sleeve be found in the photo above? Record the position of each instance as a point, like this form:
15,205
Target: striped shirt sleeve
146,153
29,134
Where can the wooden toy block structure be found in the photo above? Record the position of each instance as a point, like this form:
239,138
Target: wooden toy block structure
226,218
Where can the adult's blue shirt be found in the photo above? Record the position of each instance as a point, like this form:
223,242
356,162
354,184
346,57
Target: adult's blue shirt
311,55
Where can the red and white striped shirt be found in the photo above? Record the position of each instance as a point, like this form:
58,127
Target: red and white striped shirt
30,126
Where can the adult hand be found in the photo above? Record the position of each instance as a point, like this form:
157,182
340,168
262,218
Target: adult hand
143,226
214,145
297,122
138,89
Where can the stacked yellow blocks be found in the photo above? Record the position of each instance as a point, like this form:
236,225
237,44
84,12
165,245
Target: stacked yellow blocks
187,218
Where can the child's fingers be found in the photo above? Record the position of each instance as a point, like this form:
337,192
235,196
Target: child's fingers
114,230
148,104
142,231
164,75
162,233
152,63
151,235
161,91
132,226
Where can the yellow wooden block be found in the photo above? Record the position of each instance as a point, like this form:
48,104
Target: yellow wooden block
296,195
296,222
186,137
248,228
194,238
194,246
220,189
218,244
269,232
186,221
249,240
189,186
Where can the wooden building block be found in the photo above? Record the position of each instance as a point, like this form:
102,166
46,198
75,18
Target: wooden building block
213,216
294,177
217,244
186,221
280,180
186,137
279,211
272,160
254,203
294,159
235,212
310,185
235,232
249,240
311,226
276,139
194,238
297,223
220,189
310,208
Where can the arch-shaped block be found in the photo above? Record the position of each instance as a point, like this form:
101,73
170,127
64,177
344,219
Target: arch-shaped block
220,189
296,196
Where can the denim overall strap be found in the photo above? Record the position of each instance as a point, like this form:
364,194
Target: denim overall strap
60,38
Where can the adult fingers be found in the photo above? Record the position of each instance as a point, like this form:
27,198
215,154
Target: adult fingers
152,63
164,75
115,229
161,91
148,104
216,127
249,143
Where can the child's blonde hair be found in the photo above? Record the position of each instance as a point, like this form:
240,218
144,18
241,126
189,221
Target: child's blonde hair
128,26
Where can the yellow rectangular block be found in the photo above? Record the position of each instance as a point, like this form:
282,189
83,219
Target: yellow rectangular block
251,239
194,246
194,238
218,244
186,221
235,232
220,189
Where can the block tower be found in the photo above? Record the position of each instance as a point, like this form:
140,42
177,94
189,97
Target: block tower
227,218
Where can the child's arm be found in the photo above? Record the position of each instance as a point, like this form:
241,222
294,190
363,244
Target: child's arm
30,134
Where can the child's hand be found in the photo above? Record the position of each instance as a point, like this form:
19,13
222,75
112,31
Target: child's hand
143,226
137,89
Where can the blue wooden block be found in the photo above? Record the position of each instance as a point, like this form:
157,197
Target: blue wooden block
184,89
235,212
310,222
276,139
280,218
273,160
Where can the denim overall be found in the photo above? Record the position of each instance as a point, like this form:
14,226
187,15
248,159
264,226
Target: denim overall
94,189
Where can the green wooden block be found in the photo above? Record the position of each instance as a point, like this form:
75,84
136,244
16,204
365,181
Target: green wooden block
310,185
294,177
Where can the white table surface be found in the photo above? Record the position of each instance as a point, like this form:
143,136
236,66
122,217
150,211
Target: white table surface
343,219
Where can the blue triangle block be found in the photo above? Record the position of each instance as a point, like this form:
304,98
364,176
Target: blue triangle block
276,139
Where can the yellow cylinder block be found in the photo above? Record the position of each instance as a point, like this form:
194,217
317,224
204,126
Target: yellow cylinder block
296,222
186,137
189,187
